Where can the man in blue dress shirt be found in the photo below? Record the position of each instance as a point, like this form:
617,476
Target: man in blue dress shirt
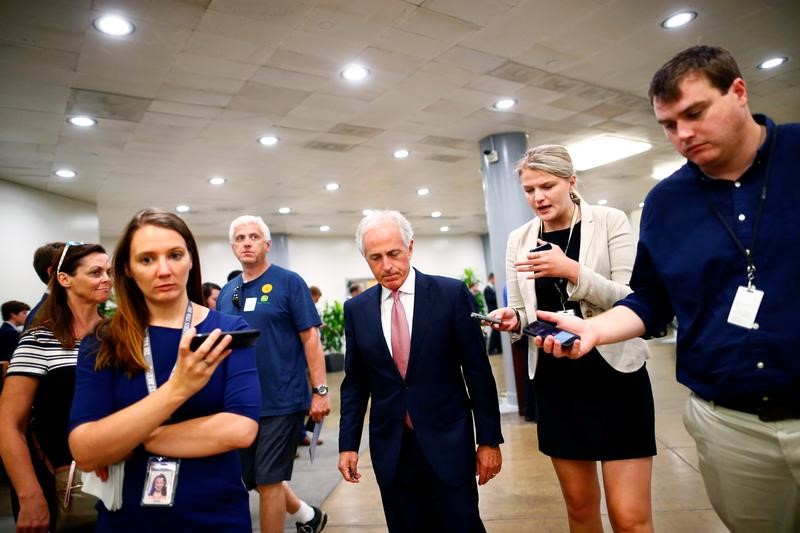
719,249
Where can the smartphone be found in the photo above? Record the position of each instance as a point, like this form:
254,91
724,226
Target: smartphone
243,338
486,318
542,329
542,247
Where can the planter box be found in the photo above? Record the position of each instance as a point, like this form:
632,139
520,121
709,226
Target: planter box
334,362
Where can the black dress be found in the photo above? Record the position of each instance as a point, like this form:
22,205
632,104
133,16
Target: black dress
587,410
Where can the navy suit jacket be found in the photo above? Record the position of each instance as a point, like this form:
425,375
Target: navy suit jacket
448,382
9,338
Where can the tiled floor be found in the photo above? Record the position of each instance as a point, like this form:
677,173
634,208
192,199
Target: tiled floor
525,497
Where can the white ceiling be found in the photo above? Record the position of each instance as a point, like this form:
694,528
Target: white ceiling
186,96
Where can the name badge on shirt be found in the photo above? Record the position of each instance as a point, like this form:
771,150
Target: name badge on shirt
745,307
250,304
160,482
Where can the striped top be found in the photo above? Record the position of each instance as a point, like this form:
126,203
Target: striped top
39,355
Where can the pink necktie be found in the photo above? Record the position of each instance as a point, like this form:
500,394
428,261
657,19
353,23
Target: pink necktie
401,340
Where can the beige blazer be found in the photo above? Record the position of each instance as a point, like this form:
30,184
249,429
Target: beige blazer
606,259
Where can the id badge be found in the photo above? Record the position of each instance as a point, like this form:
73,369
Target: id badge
745,307
160,482
570,312
250,304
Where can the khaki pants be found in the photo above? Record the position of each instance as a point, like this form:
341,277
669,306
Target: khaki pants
751,468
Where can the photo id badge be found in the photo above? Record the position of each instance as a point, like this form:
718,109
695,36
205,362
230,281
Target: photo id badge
250,304
160,482
745,307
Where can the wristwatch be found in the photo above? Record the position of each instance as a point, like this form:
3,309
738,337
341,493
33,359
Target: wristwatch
322,390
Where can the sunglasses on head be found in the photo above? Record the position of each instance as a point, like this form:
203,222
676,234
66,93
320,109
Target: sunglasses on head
64,253
236,299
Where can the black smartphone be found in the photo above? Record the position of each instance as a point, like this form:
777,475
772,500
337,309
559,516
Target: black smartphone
243,338
542,247
540,328
486,318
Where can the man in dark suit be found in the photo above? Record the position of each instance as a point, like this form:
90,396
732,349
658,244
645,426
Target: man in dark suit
413,348
14,314
490,296
44,259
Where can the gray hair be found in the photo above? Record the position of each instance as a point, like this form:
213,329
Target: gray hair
551,158
377,218
249,219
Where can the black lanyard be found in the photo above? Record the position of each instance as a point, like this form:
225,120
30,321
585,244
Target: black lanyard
749,253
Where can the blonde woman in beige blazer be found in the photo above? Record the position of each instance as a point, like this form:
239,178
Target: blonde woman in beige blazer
598,407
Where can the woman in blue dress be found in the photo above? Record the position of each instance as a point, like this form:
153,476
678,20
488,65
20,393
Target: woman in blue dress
143,397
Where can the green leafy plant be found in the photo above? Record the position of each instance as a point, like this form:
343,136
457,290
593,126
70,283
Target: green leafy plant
469,278
332,327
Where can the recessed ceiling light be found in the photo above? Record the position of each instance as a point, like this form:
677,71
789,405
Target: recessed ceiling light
332,186
641,204
216,180
114,25
284,210
602,202
604,149
355,72
367,212
402,153
183,208
678,19
325,228
444,229
436,214
504,103
66,173
82,121
665,169
773,62
424,191
268,140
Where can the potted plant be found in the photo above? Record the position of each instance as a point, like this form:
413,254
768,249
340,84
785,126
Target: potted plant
333,335
472,282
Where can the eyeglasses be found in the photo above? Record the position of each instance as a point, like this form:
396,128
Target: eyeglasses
64,253
235,300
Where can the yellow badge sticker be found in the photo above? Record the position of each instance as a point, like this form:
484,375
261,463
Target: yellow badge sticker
266,288
264,298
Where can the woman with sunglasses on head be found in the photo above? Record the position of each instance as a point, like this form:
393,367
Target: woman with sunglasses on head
598,407
145,398
42,376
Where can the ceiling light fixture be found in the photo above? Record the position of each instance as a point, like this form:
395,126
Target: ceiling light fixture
82,121
666,169
367,212
183,208
268,140
114,25
773,62
355,72
402,153
444,229
436,214
604,149
325,228
424,191
216,180
602,202
504,103
284,210
65,173
678,19
641,204
332,186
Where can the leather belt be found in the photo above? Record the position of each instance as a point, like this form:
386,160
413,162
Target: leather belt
768,411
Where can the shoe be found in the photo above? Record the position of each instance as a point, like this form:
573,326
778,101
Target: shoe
316,524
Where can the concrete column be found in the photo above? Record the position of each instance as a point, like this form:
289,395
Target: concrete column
506,210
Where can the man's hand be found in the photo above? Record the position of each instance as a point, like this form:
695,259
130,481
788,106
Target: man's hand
488,462
348,466
320,407
588,338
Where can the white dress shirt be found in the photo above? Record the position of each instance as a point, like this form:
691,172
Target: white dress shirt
407,298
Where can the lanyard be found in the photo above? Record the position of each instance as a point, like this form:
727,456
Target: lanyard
149,374
749,252
562,296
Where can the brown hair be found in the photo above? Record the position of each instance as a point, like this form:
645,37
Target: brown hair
55,314
715,63
44,257
122,336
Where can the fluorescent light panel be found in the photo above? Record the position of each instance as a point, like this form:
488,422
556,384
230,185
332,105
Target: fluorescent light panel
604,149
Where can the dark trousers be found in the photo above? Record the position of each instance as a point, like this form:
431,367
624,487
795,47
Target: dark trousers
417,501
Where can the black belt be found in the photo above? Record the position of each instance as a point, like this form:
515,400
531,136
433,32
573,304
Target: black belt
768,411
